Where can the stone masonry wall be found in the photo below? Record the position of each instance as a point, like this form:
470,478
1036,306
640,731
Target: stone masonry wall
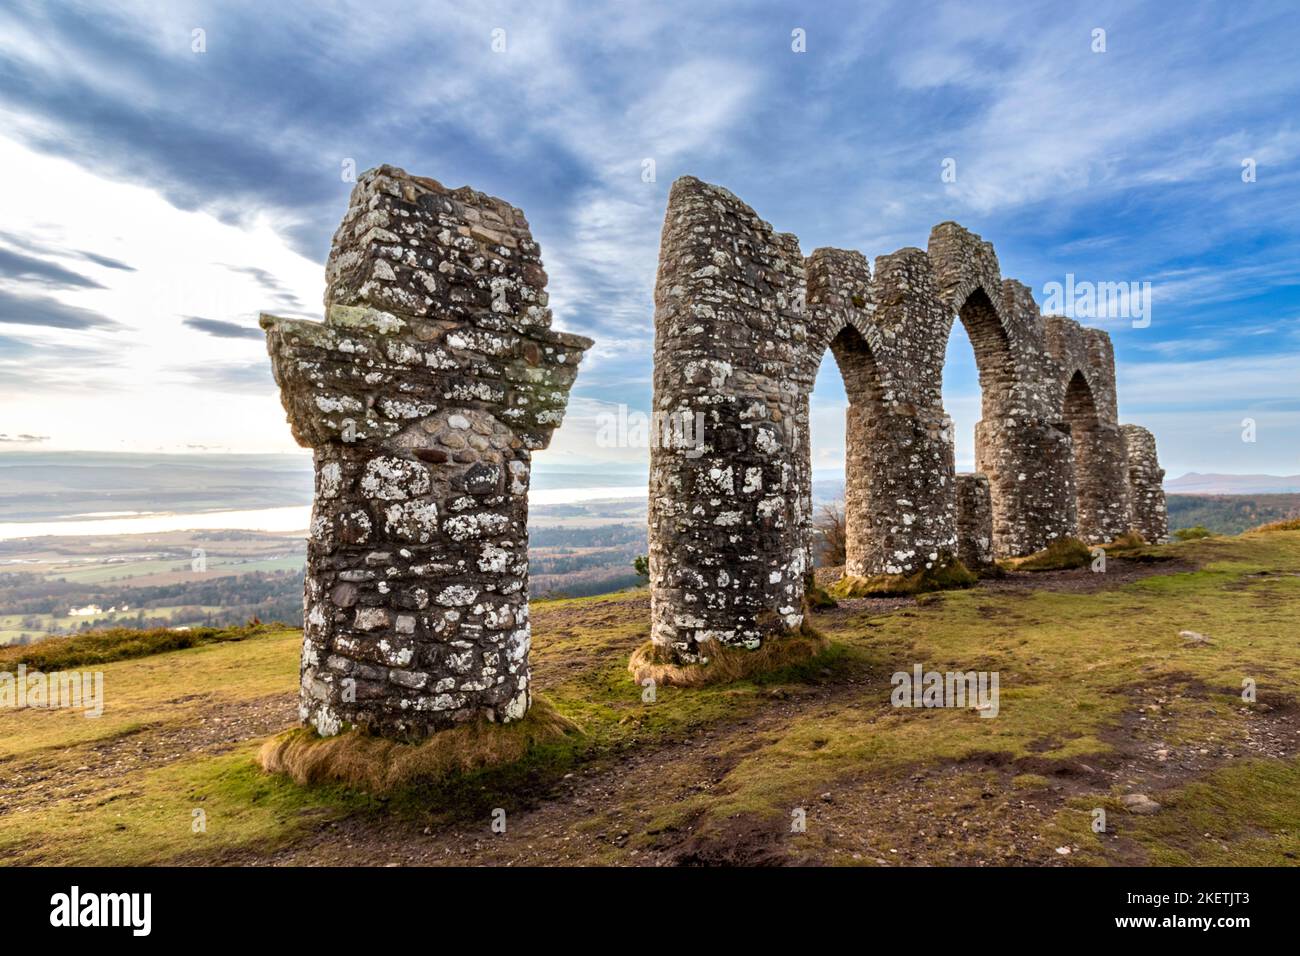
1086,388
1019,443
434,378
974,522
741,326
884,332
728,513
1146,488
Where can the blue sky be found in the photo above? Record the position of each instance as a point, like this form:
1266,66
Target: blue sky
156,197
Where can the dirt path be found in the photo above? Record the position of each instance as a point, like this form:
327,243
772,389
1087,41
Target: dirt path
216,726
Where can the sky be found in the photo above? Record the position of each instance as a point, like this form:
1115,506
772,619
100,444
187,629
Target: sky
170,173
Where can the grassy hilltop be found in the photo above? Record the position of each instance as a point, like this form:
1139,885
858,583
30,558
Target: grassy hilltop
1100,698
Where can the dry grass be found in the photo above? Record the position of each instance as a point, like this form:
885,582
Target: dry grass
727,664
1129,539
375,764
1062,554
954,574
1286,524
106,645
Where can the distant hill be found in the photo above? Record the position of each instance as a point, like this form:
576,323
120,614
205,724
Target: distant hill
1195,483
1230,513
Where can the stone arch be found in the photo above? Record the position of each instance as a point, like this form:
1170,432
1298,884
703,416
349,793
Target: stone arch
742,323
865,516
899,499
1019,445
985,328
1084,394
1079,412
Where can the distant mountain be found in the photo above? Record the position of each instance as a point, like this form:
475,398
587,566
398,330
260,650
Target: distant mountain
1194,483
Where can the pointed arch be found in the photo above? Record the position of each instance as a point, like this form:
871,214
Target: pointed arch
864,421
1091,480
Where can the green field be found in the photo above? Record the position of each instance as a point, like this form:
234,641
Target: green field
1101,698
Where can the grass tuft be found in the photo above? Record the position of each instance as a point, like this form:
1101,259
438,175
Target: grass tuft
947,576
381,766
816,599
727,664
1062,554
123,643
1286,524
1194,533
1128,540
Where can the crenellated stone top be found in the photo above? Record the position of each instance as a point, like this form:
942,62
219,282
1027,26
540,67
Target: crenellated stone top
435,297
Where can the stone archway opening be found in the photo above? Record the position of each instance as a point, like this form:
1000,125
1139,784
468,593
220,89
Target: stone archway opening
988,340
961,396
982,498
842,453
1091,480
866,518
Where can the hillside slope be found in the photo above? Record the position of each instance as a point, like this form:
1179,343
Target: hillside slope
1230,514
1100,698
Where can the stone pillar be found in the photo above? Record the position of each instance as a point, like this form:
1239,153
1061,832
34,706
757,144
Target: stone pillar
728,532
1031,479
974,522
433,379
1101,478
1146,488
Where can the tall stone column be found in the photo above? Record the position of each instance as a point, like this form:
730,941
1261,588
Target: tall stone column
1146,484
434,378
727,524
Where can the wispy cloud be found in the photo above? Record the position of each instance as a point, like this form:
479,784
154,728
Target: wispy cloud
25,268
222,329
21,309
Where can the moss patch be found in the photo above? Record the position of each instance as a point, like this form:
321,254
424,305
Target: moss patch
726,664
1246,814
197,808
945,577
1062,554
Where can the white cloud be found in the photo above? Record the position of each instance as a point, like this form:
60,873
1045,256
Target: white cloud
136,387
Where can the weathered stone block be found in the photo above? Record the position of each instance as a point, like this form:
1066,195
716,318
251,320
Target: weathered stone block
1146,484
974,522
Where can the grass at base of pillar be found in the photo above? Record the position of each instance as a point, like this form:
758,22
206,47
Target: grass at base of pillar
954,574
1060,555
728,664
383,766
